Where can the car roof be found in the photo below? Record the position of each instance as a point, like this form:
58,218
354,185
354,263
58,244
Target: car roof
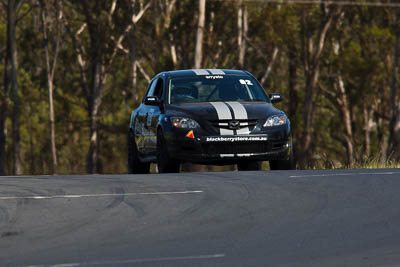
199,72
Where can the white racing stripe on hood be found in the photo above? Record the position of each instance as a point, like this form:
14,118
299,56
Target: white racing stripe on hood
223,114
200,72
240,113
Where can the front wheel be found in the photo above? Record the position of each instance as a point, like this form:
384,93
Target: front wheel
135,166
287,164
165,163
249,166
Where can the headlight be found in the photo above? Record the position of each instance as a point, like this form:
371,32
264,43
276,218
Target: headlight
275,120
184,123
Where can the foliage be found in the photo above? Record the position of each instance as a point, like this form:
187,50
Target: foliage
364,60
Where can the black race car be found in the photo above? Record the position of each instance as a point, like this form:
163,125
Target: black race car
208,116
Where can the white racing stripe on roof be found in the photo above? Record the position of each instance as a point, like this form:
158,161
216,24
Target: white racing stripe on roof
240,113
223,114
216,71
200,72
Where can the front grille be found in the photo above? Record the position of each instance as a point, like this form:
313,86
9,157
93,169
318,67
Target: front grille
235,148
225,123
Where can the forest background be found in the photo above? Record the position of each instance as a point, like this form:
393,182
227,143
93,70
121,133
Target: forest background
73,70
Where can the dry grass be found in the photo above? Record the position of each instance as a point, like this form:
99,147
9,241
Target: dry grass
375,162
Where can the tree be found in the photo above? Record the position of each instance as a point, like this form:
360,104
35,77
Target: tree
312,48
198,57
51,62
132,41
243,28
94,64
11,87
338,74
394,99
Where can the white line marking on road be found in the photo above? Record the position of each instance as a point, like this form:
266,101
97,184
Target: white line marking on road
102,195
121,262
22,176
345,174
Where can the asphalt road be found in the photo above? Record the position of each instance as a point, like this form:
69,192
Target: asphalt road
281,218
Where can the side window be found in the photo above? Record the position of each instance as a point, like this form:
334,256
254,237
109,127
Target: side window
152,86
159,88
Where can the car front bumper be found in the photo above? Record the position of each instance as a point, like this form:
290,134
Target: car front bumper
222,149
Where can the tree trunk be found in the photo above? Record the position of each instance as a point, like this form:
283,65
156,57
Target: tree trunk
10,87
168,9
132,55
270,64
3,130
198,57
293,91
293,96
50,69
132,62
174,57
383,141
345,110
367,131
394,102
94,108
383,125
243,26
52,125
94,97
15,127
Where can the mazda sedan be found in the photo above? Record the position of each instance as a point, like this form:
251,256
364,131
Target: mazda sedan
208,116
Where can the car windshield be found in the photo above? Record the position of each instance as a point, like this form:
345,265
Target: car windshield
211,88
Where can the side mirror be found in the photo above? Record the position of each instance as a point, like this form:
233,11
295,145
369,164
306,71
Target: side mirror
152,101
275,98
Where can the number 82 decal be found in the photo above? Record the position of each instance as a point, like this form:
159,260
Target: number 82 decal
247,82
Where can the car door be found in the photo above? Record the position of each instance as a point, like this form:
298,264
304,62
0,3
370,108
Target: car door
153,116
141,129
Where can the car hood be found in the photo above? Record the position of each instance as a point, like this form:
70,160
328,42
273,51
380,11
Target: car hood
213,111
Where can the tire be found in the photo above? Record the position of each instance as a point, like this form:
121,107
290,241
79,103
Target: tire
165,163
135,166
249,166
283,164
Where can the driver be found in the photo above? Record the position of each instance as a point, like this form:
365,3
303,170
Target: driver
183,94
